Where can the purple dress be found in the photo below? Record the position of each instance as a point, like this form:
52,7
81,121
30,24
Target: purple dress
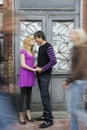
26,77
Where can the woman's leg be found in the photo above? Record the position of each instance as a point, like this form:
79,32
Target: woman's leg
21,103
28,101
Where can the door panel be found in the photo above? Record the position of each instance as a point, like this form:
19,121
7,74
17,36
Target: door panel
57,34
59,27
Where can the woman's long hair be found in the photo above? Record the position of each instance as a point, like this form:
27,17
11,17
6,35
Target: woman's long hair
26,44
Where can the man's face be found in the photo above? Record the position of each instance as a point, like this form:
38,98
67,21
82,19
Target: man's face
38,40
73,35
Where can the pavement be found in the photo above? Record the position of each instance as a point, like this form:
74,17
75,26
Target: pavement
61,122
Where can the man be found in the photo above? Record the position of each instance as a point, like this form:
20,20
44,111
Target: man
46,60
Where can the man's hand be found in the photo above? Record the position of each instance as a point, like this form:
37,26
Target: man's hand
39,70
64,84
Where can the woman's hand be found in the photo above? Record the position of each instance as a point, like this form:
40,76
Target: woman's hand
36,69
35,66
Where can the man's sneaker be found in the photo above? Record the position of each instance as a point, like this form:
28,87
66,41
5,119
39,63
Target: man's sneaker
41,118
46,124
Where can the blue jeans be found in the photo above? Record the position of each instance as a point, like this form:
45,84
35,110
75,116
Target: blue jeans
43,82
76,90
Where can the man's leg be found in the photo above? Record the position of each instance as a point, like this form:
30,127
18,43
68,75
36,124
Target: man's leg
45,97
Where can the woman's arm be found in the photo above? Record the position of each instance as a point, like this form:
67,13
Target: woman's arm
22,58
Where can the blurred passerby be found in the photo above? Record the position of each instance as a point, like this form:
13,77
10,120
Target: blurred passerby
8,113
76,83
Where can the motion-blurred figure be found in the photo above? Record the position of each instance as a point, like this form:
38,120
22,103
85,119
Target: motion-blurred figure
7,110
76,83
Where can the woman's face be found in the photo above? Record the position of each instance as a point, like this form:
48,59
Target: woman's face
31,42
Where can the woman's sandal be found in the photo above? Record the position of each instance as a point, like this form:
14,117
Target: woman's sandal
30,120
22,122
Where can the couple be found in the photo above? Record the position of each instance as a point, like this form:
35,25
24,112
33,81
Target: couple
46,60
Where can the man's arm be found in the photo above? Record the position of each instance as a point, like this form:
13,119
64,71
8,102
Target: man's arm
52,57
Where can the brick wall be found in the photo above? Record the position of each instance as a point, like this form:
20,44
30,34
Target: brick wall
84,15
7,29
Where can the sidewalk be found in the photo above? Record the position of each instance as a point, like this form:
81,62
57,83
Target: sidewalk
61,122
60,118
